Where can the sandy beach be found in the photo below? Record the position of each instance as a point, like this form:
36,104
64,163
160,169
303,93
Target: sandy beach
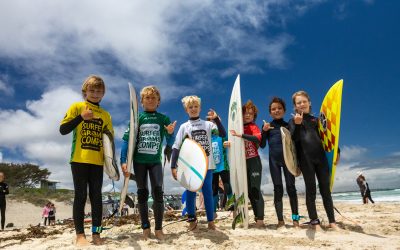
362,227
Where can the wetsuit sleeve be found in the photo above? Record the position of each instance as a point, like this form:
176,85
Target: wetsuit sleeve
221,129
251,138
179,137
294,130
67,127
124,151
174,157
264,136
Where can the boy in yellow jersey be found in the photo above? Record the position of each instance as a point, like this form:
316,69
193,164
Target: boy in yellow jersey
87,120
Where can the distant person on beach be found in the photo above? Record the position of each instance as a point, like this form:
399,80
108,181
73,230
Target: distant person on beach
272,133
3,192
153,128
312,158
45,213
52,215
252,139
200,131
88,120
364,188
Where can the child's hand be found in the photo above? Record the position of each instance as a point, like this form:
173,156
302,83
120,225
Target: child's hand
233,132
124,168
87,114
212,115
298,118
227,144
174,173
267,126
170,128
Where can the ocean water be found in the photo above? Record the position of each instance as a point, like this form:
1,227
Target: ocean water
392,195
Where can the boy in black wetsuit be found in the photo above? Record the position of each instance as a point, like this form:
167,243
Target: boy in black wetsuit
3,192
272,133
311,156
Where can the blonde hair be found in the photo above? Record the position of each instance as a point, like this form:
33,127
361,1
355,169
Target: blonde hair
300,93
187,100
95,82
150,90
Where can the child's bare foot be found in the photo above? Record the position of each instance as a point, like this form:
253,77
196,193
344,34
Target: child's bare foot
211,225
146,233
96,240
159,234
333,226
296,224
81,240
281,223
260,224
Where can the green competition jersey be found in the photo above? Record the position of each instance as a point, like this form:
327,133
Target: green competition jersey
150,137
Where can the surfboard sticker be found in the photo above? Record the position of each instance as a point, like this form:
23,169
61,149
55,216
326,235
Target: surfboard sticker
110,164
329,126
133,133
289,152
192,165
236,155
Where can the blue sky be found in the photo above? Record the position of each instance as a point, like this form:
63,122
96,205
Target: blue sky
199,47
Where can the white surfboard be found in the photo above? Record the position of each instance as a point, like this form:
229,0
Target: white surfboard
289,152
110,164
192,165
237,157
133,133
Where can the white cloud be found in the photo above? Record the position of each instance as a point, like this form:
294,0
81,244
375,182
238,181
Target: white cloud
1,156
7,89
352,153
148,39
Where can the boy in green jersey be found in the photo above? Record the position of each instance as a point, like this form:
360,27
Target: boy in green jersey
153,127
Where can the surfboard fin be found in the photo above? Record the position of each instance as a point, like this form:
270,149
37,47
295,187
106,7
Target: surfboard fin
237,220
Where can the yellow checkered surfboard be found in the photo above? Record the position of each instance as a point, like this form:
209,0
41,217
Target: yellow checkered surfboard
329,125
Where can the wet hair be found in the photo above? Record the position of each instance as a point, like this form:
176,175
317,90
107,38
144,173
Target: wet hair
150,90
250,105
187,100
277,100
93,81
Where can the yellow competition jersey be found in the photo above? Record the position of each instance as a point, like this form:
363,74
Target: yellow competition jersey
87,140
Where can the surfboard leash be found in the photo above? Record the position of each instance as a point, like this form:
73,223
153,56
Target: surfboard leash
344,217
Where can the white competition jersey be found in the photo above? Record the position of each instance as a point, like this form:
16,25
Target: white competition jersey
200,131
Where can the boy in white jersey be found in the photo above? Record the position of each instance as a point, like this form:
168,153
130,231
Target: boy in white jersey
200,131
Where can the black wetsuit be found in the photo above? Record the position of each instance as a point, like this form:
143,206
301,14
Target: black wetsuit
276,165
313,162
3,192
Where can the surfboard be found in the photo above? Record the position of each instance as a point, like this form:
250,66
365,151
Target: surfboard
329,126
133,133
110,164
237,158
192,165
289,152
